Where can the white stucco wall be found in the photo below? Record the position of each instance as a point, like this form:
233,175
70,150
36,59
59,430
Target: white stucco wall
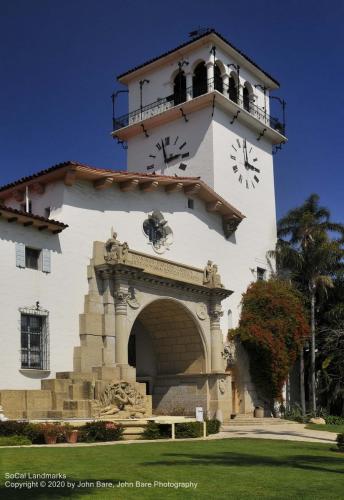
91,214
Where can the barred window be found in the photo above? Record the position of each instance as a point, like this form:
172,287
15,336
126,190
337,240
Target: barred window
34,340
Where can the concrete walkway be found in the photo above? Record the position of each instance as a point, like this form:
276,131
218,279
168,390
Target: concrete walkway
289,432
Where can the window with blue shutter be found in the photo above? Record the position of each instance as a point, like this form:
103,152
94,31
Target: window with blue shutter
46,260
20,255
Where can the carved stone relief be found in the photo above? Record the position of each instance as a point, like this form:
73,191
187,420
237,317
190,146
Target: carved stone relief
201,311
120,399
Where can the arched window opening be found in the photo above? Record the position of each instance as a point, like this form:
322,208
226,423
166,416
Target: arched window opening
199,81
232,89
246,98
218,82
179,88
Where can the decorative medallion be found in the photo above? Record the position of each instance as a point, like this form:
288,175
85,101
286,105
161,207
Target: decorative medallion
157,231
201,311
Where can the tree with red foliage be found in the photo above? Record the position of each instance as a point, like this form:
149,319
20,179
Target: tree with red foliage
272,329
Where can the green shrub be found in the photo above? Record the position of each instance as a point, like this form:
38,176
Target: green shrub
340,441
334,420
100,431
295,413
213,426
189,430
152,431
14,440
14,428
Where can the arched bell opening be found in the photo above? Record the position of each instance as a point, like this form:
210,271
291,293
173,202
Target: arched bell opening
199,80
166,348
218,82
179,88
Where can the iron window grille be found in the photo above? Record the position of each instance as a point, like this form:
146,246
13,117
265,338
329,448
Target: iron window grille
34,339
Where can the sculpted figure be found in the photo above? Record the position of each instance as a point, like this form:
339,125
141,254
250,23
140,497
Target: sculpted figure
119,397
207,273
211,275
115,251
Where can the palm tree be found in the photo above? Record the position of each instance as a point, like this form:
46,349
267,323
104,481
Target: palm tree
311,255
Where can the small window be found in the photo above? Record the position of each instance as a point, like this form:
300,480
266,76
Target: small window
191,203
23,207
32,258
34,341
261,274
47,212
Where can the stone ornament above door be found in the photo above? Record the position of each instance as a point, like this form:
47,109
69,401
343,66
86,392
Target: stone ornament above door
158,232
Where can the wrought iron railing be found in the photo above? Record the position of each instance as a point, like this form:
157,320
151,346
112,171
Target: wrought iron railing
165,103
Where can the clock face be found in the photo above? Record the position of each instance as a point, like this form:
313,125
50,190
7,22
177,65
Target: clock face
245,164
168,152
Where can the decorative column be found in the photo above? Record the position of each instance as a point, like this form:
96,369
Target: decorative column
189,94
225,80
109,324
210,75
121,294
216,337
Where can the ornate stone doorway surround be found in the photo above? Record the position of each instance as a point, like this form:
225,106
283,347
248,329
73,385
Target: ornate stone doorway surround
123,284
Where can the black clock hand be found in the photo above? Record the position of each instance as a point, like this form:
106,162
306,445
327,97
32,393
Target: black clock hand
171,158
251,167
245,153
163,150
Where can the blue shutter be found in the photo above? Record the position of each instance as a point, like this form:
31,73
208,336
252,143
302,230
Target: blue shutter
20,255
46,261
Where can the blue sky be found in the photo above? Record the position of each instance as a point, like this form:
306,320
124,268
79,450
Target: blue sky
59,60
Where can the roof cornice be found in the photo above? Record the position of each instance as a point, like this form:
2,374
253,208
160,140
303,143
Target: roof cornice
71,171
210,35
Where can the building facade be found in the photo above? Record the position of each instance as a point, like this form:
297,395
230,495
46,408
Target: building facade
193,217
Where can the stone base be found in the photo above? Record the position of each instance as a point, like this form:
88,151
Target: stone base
72,395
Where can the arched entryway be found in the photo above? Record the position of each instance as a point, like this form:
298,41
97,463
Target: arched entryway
166,348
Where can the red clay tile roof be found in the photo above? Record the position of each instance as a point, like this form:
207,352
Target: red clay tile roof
70,171
27,219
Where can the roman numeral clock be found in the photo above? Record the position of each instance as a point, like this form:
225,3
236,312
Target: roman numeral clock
168,152
245,164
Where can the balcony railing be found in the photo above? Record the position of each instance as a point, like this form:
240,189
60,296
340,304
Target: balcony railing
165,103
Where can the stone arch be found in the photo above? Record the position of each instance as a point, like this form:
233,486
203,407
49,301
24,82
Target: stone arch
170,350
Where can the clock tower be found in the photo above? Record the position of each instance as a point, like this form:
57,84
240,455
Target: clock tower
203,110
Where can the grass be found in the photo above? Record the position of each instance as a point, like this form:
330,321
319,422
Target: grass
326,427
223,469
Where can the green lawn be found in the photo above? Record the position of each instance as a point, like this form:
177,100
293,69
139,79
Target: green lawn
327,427
228,469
